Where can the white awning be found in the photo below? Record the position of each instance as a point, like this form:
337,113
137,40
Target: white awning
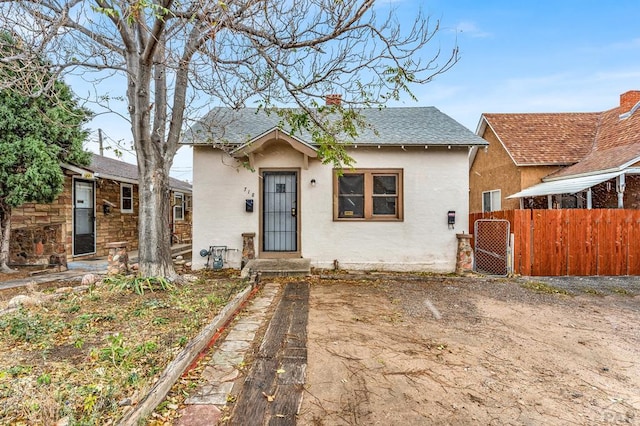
564,186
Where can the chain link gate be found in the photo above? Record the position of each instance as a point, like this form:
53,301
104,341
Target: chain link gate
491,241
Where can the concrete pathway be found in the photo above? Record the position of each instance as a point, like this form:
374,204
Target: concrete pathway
75,272
78,268
205,406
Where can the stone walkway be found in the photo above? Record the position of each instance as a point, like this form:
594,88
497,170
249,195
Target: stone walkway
205,406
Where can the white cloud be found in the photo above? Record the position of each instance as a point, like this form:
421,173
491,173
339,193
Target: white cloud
471,29
625,45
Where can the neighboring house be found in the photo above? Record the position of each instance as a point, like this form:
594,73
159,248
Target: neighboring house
99,204
558,160
389,212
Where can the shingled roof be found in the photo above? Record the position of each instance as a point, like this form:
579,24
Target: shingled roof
587,143
119,170
386,126
545,138
617,146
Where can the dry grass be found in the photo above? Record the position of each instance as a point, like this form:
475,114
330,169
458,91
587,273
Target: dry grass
86,357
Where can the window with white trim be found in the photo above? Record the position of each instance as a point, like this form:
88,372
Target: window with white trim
368,194
491,201
126,198
178,206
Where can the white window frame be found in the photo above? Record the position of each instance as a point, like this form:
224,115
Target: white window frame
178,206
495,200
122,198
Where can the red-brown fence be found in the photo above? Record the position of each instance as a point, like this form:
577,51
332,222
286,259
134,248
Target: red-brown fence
572,241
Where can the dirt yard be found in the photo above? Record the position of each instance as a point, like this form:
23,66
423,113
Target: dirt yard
469,351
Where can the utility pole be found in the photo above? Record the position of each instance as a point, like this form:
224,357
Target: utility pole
100,142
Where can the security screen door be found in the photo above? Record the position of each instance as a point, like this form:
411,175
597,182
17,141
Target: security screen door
279,211
84,240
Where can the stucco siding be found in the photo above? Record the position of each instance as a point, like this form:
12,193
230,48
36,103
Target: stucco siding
493,169
435,182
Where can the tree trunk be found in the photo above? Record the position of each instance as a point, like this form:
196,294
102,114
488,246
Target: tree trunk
154,233
5,230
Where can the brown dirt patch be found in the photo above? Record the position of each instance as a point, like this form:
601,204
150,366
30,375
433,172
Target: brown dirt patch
491,352
86,357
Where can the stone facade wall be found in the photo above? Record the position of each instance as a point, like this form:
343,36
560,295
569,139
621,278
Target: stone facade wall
39,231
182,230
42,230
115,225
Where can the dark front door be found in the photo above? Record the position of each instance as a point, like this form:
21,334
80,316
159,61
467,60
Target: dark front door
280,212
84,236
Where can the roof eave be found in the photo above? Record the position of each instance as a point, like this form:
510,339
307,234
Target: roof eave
544,164
279,135
621,167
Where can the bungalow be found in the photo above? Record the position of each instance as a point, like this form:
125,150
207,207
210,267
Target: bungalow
558,160
99,204
259,188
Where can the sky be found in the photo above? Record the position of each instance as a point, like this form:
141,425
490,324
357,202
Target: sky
515,56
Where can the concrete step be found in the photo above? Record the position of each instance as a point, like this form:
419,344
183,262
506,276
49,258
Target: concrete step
278,267
181,250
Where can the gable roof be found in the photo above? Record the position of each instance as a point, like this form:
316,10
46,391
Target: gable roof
386,126
108,168
543,139
586,143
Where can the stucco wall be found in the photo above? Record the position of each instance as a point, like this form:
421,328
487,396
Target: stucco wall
494,169
435,181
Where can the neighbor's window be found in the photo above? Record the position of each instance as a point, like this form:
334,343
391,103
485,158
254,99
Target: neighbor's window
368,194
178,206
126,198
491,201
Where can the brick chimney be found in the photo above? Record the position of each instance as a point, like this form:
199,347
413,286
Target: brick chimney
628,100
336,99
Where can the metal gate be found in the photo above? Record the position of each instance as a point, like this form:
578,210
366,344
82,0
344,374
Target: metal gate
491,249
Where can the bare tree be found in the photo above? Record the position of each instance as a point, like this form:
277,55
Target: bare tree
180,57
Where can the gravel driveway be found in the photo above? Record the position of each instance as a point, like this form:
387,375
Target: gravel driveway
629,285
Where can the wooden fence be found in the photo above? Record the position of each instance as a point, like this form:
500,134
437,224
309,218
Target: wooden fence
572,241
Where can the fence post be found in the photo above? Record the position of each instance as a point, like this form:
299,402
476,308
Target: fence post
464,260
118,258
